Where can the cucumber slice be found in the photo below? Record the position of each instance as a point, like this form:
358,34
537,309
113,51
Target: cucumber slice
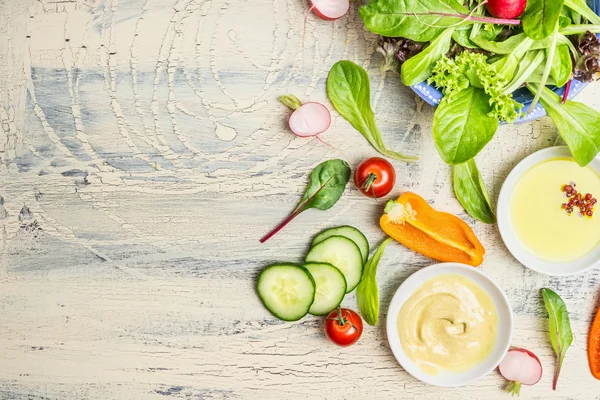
343,254
287,290
351,233
330,287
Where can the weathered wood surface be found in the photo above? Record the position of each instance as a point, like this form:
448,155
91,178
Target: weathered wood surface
143,152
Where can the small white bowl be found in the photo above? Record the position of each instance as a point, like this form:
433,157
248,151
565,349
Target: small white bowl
513,243
503,337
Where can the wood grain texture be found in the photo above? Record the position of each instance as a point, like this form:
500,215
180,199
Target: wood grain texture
143,153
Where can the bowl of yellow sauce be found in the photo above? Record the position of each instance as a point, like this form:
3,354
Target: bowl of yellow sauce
449,324
537,219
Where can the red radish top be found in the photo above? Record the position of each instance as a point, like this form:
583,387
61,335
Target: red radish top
310,119
330,10
506,8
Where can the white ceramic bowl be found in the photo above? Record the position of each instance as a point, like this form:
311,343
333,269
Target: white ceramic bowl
504,333
511,240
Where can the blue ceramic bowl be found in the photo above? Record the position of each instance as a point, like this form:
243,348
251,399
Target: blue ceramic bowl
433,95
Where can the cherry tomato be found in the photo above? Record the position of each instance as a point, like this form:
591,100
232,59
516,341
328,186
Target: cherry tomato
375,177
343,327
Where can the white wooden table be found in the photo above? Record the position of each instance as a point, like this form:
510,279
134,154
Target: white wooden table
143,153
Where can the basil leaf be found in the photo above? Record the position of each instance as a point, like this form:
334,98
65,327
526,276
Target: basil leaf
577,124
581,7
561,65
462,127
561,335
418,68
349,90
367,293
540,17
409,19
470,190
326,185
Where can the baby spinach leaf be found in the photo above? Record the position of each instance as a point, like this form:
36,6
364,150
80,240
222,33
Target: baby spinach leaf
462,127
349,90
530,63
409,19
540,17
581,7
418,68
367,293
561,65
461,36
508,65
577,124
470,190
547,68
561,335
326,185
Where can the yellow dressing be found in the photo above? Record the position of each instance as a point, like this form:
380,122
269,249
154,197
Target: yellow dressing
449,324
543,227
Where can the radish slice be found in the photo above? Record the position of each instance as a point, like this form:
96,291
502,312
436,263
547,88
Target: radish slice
330,10
521,367
308,119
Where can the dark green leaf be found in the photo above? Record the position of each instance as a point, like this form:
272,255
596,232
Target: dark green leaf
367,293
396,18
418,68
326,185
470,190
561,335
349,90
577,124
541,17
462,127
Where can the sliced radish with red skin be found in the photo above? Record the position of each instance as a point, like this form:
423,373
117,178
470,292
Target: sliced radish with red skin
521,367
311,119
330,10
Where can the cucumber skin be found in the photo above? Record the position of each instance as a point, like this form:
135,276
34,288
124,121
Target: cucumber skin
362,268
283,265
365,257
343,295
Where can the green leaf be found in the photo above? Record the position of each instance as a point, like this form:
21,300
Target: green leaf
399,18
326,185
528,66
418,68
349,90
561,335
509,45
508,65
577,124
581,7
540,17
462,127
367,293
470,190
462,37
547,68
561,65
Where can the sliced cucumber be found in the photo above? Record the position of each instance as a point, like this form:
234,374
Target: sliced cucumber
351,233
330,287
287,290
343,254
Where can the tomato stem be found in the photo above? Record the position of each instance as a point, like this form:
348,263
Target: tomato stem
368,183
341,320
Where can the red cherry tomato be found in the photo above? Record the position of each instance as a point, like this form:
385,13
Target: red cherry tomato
343,327
375,177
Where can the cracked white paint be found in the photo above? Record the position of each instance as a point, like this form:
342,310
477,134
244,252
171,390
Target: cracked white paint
145,139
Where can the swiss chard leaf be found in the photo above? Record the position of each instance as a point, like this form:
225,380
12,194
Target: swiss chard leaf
577,124
367,293
409,19
470,190
462,127
326,185
561,335
541,17
418,68
349,90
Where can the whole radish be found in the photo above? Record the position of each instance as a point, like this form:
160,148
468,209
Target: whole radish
308,119
506,8
520,367
330,10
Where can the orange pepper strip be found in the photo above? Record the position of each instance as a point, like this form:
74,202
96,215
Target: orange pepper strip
594,346
439,235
